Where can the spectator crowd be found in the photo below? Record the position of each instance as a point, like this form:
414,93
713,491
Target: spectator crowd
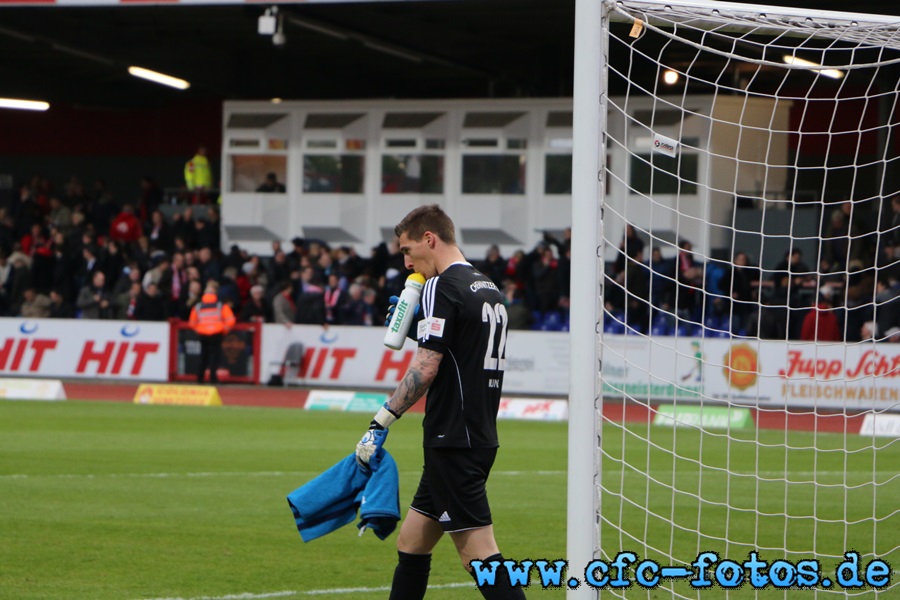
79,253
848,292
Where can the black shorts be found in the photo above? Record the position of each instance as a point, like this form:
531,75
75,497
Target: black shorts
452,490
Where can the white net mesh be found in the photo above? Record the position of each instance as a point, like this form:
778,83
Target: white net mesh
750,368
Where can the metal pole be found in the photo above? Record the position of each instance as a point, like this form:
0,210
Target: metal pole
584,385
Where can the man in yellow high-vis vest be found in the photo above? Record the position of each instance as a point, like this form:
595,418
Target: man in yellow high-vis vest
198,176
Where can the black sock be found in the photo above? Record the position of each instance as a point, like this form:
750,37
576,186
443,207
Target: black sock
502,588
410,576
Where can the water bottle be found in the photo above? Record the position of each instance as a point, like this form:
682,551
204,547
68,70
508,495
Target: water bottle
404,312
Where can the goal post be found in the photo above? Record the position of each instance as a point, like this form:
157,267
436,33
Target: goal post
589,117
735,373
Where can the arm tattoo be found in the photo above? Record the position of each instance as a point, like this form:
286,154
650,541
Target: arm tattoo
416,381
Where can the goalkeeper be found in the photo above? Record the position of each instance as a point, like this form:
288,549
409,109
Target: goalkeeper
459,363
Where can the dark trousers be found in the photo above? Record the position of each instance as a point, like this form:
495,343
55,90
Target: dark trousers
210,356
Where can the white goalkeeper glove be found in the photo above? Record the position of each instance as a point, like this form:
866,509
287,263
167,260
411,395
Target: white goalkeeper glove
374,438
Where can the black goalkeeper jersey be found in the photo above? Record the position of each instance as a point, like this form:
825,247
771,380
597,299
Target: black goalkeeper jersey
463,317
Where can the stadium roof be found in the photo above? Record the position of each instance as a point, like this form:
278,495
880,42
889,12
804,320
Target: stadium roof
449,49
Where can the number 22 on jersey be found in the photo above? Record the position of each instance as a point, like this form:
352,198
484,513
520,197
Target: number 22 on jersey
495,354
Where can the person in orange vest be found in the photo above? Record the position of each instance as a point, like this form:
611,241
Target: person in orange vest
211,319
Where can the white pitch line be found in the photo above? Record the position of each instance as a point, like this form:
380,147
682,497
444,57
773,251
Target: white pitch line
225,474
245,596
609,474
326,592
160,475
518,473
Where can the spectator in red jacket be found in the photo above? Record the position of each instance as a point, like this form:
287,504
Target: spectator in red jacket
821,323
126,227
36,241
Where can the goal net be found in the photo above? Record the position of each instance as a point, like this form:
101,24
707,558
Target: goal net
749,239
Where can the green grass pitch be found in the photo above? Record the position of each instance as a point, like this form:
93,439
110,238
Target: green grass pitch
120,501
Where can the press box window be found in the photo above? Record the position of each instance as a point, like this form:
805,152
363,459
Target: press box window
333,173
321,144
235,143
558,174
659,174
412,174
410,143
341,171
493,174
248,171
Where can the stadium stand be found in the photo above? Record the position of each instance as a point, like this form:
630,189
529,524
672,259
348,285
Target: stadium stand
155,263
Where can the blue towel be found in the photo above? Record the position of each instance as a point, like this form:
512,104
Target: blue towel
332,499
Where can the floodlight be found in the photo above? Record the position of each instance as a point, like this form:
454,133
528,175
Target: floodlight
268,22
159,78
23,104
794,60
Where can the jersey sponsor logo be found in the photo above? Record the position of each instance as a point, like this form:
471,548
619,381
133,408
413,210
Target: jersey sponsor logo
483,285
431,326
